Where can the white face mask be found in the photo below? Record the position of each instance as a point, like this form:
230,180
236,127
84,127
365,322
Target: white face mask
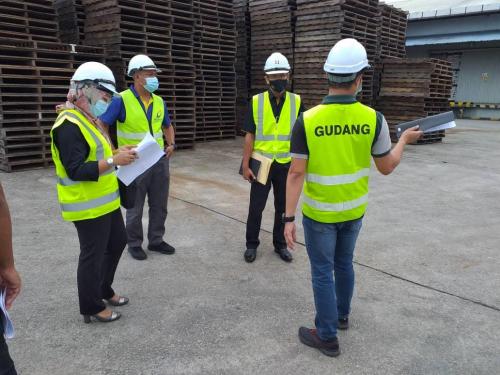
359,89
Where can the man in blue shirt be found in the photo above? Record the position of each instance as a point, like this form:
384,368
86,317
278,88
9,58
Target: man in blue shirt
136,112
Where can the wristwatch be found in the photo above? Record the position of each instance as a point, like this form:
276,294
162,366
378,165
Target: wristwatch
174,145
110,162
287,219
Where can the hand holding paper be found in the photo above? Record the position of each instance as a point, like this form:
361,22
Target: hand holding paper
438,122
148,153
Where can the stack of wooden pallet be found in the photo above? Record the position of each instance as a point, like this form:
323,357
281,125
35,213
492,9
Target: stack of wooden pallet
215,51
392,32
319,25
272,30
414,88
164,31
392,37
243,59
34,79
179,90
28,20
71,17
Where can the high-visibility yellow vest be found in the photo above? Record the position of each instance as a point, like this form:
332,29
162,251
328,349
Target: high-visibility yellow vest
136,124
272,139
81,200
339,139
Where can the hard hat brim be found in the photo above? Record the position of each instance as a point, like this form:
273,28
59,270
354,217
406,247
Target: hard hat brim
109,87
277,72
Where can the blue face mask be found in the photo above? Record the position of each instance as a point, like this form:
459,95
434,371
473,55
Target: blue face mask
152,84
99,107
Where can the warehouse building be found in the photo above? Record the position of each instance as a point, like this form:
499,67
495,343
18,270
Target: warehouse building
467,33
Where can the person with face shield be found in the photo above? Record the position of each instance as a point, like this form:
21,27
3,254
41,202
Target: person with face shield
268,125
136,112
332,146
87,187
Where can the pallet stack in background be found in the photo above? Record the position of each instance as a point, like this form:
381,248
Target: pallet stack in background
34,79
414,88
214,56
272,30
319,25
243,59
35,69
192,42
71,18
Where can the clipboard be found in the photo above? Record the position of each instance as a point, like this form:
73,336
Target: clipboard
438,122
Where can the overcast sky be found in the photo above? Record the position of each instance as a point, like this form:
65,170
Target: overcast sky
424,5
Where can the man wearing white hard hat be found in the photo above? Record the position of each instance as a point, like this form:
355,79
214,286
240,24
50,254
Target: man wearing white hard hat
136,112
87,187
268,125
332,147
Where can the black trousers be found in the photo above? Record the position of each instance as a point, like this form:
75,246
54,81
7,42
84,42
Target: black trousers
258,198
102,241
6,363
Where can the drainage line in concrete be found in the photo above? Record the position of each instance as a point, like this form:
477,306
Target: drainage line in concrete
355,262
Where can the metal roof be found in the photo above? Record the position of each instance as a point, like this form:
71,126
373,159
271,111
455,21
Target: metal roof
429,9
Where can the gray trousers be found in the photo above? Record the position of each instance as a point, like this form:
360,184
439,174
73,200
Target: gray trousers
155,184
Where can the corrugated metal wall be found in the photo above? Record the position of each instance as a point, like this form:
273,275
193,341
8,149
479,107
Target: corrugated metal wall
479,76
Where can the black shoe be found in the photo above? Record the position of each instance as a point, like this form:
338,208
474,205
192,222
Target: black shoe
284,254
310,338
114,316
343,323
121,301
137,252
250,255
163,248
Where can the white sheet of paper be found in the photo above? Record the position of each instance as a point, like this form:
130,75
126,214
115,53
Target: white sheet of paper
8,327
149,152
448,125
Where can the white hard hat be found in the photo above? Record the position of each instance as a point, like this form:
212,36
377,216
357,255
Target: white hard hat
277,64
99,73
347,56
141,62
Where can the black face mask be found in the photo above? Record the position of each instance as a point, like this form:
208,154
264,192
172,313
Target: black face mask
279,85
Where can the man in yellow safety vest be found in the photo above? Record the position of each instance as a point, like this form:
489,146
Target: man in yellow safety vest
137,112
268,127
332,146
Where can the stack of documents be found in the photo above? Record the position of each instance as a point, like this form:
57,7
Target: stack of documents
8,327
149,153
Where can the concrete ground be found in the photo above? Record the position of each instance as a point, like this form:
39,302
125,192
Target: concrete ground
427,296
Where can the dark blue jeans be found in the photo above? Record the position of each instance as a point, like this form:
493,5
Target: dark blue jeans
330,248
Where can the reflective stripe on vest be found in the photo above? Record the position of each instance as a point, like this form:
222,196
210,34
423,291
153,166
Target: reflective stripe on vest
81,200
339,138
137,125
339,179
273,139
93,203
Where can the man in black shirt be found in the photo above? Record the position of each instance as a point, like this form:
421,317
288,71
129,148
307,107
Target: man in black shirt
269,122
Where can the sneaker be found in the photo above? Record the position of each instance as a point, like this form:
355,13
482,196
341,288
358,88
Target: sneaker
163,248
310,338
137,252
343,323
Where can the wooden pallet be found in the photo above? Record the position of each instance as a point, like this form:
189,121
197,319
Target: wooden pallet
411,89
34,78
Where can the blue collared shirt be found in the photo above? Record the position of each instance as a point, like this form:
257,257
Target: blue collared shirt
116,111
